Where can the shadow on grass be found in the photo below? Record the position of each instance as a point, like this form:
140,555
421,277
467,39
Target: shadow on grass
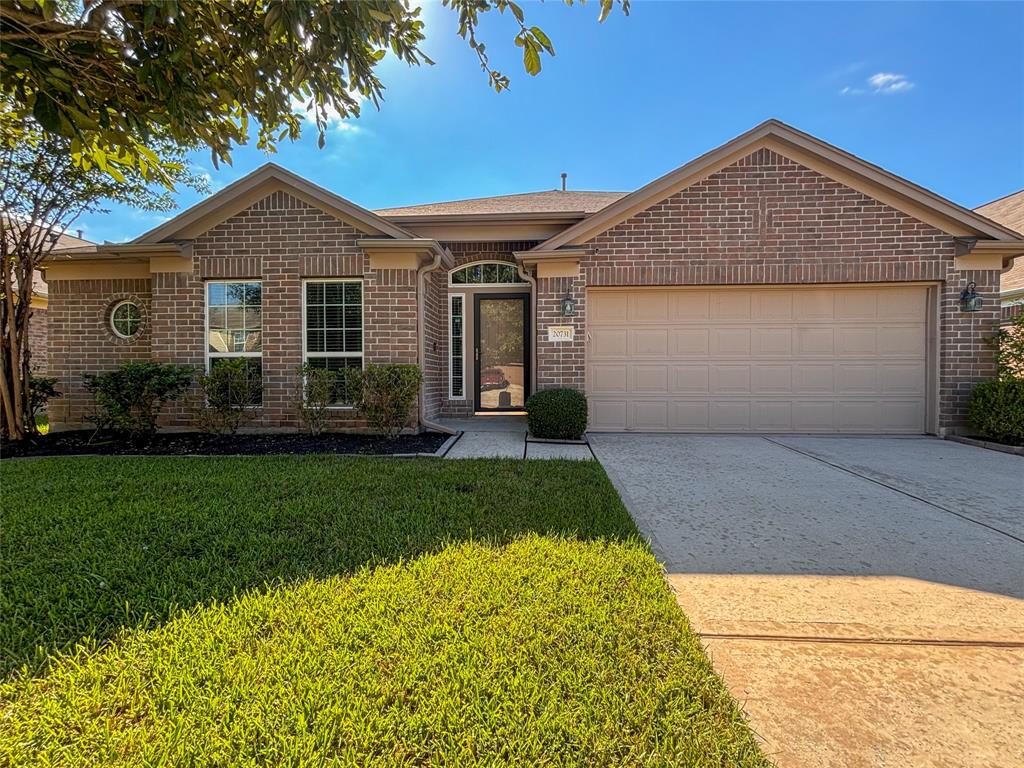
95,545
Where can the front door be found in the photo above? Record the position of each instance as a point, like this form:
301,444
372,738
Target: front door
502,353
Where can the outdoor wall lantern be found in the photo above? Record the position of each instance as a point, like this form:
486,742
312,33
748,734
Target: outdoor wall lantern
970,300
568,305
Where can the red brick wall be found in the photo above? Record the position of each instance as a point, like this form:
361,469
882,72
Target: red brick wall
37,341
279,240
81,341
768,220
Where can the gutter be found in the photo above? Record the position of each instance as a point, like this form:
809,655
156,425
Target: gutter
439,256
521,269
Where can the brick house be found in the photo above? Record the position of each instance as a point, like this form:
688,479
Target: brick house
774,284
1009,211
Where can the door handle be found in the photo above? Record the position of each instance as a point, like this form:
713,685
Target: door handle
476,350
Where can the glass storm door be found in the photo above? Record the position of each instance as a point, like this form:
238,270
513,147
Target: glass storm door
502,351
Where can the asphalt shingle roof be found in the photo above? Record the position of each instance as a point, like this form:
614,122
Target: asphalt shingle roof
1008,211
548,201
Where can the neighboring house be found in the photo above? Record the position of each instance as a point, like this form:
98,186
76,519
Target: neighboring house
773,284
37,323
1009,211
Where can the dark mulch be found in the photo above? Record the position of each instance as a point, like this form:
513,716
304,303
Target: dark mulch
82,442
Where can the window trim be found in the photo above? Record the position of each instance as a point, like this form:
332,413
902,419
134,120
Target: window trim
206,321
451,369
113,311
362,327
462,286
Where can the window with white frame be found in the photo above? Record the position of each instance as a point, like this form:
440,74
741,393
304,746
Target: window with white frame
457,346
234,325
333,326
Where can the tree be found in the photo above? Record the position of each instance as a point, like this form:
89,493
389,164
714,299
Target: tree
42,193
108,74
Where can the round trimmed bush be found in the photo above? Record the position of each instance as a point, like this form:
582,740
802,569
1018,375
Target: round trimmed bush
557,414
996,409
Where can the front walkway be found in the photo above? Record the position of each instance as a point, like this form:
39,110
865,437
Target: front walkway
862,597
504,437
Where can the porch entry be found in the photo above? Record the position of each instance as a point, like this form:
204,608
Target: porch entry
501,342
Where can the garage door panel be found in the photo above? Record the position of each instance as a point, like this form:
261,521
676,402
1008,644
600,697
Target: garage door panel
759,359
772,306
690,416
856,378
649,379
691,379
902,341
730,379
771,342
812,341
771,415
814,379
770,379
686,306
909,378
730,305
856,341
609,343
607,413
648,307
730,342
649,415
605,307
730,415
609,379
648,342
690,342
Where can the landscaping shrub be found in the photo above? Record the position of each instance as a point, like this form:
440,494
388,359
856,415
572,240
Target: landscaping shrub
557,414
996,409
42,390
1009,347
318,391
227,393
385,394
131,397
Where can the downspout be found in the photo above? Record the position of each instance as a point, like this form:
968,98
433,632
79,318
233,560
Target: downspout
533,322
421,273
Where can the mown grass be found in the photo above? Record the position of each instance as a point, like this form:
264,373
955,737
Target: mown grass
318,611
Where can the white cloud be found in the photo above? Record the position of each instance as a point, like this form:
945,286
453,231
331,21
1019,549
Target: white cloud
880,82
887,82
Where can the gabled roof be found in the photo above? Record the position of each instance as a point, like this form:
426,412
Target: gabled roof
807,150
549,201
266,179
1008,211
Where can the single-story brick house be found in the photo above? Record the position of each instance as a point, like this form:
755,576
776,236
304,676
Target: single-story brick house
1009,211
774,284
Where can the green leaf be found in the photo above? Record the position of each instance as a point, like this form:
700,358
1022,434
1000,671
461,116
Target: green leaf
531,59
47,113
543,39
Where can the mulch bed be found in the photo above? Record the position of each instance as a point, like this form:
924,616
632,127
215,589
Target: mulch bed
82,442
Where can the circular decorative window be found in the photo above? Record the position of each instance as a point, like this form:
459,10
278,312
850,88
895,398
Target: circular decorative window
126,319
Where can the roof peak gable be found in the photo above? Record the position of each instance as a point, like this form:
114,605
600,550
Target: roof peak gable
256,186
801,148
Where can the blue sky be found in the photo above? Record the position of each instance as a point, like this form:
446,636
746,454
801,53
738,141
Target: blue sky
933,92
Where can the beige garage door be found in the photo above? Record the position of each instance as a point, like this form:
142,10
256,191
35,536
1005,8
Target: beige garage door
758,359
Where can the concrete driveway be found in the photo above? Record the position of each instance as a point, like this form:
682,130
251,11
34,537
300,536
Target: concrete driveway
862,597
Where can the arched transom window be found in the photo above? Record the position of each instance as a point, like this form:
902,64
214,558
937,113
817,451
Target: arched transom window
486,273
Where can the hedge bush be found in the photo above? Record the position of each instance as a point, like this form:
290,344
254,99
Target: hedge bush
557,414
130,398
996,409
384,394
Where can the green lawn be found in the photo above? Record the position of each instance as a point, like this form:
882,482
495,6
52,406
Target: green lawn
323,611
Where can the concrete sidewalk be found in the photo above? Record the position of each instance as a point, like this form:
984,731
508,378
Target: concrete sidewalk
863,598
505,437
